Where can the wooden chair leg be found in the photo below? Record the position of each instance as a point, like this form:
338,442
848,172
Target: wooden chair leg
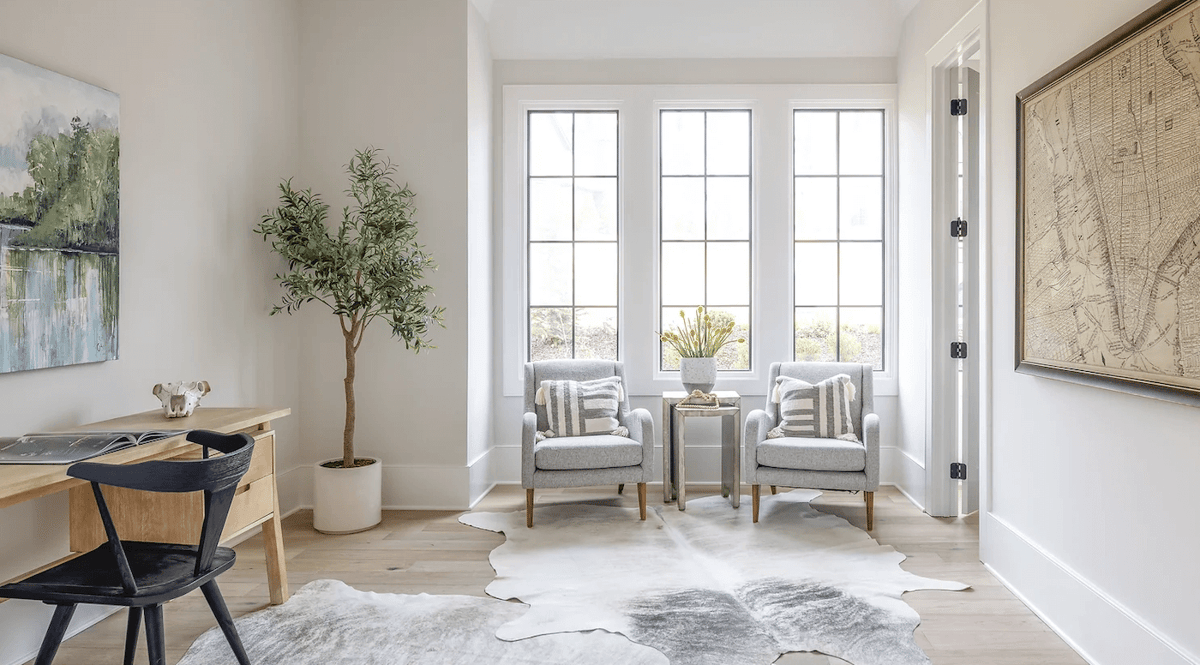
870,497
529,508
217,604
754,494
132,631
621,488
642,499
55,633
156,642
774,489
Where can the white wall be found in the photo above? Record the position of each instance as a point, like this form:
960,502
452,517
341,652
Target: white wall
392,75
704,442
1092,516
208,127
923,28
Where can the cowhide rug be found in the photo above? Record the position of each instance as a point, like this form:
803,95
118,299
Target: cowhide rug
329,623
707,585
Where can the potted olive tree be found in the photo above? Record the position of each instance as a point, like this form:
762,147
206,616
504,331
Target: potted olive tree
369,267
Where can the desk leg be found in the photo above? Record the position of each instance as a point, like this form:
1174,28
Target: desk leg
272,532
680,430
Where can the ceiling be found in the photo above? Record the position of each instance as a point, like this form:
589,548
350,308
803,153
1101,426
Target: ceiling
589,29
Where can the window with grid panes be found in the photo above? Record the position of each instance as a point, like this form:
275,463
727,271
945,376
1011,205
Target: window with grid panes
705,224
838,235
572,234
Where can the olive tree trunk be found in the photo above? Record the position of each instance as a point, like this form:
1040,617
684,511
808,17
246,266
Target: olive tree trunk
348,432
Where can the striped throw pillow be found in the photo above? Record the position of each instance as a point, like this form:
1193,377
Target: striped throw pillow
579,408
821,410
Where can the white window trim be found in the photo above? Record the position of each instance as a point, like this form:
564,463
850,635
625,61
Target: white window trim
637,170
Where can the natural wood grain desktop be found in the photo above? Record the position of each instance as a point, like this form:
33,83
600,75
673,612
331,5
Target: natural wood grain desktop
169,518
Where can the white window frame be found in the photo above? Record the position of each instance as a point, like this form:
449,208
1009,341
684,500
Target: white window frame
772,236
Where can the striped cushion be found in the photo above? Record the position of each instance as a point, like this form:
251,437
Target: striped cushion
821,410
578,408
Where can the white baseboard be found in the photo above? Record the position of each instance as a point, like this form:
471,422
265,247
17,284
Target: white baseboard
1101,629
405,487
481,477
905,472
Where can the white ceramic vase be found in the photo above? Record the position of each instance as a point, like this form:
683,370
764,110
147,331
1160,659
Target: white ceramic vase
698,374
347,500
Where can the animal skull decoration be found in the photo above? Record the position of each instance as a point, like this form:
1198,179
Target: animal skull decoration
180,398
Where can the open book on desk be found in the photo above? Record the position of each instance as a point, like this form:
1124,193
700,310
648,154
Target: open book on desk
70,447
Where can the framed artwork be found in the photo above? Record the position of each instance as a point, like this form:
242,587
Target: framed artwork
59,219
1108,211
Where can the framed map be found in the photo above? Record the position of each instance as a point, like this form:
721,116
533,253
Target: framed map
1108,211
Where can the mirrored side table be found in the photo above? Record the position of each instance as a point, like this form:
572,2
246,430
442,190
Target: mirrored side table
674,458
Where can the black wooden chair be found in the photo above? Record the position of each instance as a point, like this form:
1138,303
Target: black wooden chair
143,576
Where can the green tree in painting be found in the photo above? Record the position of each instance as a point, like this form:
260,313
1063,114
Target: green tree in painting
73,202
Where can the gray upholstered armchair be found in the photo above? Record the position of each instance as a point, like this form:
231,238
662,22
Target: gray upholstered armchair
583,461
815,463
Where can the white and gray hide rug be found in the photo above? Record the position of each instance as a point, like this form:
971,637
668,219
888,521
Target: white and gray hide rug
329,623
708,586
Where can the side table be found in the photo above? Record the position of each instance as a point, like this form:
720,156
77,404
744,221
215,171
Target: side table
674,457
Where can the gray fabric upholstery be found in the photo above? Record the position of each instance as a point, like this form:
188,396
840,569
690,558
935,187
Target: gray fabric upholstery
638,421
586,452
866,423
813,454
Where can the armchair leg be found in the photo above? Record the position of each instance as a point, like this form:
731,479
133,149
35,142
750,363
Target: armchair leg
754,494
529,508
621,488
642,499
870,497
774,489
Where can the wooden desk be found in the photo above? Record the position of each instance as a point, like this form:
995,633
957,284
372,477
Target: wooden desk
168,518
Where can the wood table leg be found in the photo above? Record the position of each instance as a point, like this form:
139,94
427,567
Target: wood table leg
272,532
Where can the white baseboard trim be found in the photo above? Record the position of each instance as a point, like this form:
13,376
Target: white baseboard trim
905,472
1097,626
405,487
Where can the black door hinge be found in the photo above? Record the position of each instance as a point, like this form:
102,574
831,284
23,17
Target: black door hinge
958,107
958,349
958,471
958,228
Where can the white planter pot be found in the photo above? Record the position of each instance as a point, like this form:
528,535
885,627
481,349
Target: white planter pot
698,373
347,500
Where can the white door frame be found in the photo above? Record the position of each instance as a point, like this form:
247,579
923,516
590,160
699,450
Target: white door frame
941,497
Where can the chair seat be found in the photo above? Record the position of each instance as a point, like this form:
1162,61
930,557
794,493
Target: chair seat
603,451
162,572
812,454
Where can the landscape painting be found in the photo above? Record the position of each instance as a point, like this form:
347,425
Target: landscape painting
59,214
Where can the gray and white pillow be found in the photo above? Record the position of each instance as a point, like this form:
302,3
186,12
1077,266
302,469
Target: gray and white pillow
820,410
581,408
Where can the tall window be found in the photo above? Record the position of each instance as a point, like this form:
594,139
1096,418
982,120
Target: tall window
839,215
705,209
572,234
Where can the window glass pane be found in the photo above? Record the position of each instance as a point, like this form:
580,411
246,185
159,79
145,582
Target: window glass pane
550,208
861,208
728,208
862,273
549,143
595,208
816,334
671,321
861,142
734,356
683,208
728,273
596,143
816,273
728,134
596,273
861,337
816,208
682,273
816,142
550,272
550,333
682,142
596,333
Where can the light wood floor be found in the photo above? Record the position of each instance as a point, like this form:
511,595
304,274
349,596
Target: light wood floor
430,552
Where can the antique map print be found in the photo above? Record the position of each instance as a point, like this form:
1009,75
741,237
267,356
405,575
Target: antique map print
1111,238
